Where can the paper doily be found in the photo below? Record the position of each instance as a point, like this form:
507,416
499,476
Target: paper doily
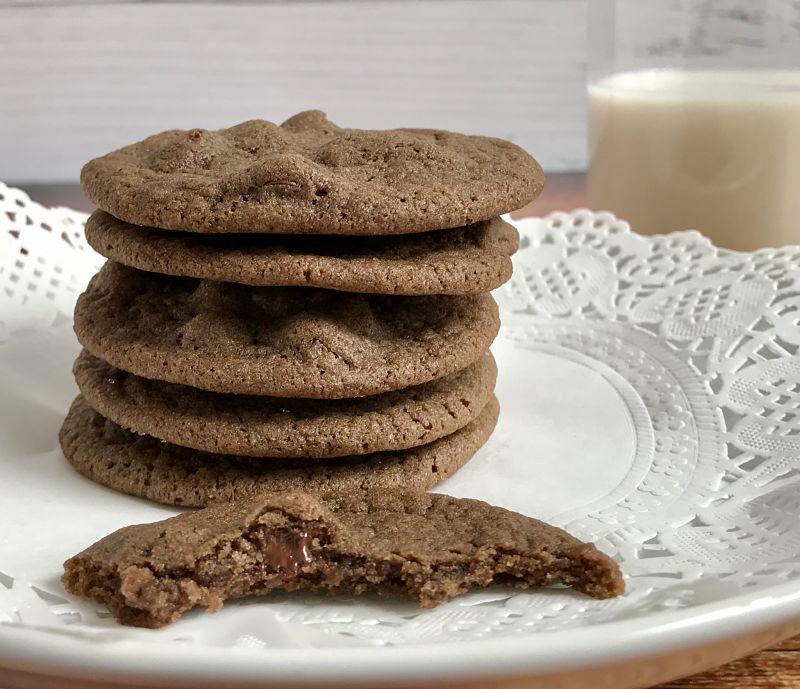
699,346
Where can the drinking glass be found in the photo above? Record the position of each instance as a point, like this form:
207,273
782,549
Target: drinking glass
694,117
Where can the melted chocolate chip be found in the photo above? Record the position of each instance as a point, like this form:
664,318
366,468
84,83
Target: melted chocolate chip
288,550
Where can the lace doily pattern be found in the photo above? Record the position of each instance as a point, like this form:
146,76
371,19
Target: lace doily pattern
44,263
701,345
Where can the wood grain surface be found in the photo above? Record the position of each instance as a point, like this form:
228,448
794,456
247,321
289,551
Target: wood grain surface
777,667
774,668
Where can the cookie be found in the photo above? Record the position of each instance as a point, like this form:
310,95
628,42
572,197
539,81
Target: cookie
279,341
464,260
395,543
309,176
149,468
282,427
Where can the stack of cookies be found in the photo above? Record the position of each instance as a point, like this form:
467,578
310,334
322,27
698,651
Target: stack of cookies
291,307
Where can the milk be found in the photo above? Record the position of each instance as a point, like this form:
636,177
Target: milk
714,151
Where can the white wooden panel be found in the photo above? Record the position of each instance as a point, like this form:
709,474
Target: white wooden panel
77,81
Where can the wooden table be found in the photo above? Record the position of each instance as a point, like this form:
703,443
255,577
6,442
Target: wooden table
777,667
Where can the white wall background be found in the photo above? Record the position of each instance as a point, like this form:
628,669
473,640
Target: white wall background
80,77
79,80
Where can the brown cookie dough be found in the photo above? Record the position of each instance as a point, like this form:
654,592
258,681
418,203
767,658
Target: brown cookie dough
464,260
283,427
396,543
146,467
309,176
279,341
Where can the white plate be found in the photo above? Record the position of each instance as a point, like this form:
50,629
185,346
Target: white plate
650,390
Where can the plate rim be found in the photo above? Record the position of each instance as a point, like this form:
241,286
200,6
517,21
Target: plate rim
27,649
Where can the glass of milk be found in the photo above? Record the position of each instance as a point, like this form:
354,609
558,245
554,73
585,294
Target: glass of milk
694,117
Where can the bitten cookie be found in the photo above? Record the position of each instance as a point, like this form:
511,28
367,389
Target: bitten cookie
279,341
396,543
463,260
283,427
310,176
149,468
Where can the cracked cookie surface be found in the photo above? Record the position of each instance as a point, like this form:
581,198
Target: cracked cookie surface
463,260
279,341
146,467
261,426
309,175
395,543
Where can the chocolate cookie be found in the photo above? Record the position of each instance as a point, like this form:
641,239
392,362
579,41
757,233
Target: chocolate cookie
283,427
309,176
395,543
279,341
146,467
464,260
